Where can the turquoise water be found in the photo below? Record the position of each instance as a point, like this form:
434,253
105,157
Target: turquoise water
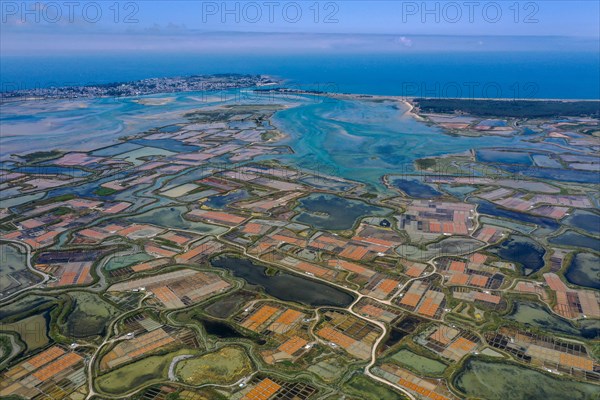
364,140
359,140
78,124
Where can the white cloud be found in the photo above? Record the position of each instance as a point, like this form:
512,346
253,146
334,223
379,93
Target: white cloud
403,40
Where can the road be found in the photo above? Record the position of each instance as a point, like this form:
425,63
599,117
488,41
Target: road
45,276
15,349
107,340
101,284
359,297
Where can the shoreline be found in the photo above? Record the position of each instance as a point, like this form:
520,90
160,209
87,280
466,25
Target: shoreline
414,110
169,85
28,94
363,96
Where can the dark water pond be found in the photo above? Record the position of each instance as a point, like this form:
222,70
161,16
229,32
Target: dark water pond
523,250
485,207
225,331
44,169
169,129
574,239
284,286
584,270
324,211
415,188
395,336
588,221
503,157
220,202
555,174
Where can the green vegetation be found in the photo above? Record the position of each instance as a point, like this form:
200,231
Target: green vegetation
363,388
6,348
271,135
25,306
33,330
41,155
504,108
198,394
89,315
425,163
418,363
102,191
330,369
225,366
62,211
139,373
495,380
117,261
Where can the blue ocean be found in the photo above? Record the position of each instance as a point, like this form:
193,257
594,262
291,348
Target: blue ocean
520,75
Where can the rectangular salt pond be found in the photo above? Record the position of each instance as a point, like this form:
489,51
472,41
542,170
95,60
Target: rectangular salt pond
180,190
504,157
545,161
135,156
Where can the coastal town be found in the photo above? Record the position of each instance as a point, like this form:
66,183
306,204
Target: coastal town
199,83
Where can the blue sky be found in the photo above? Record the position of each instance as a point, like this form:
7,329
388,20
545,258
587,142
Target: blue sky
546,17
300,25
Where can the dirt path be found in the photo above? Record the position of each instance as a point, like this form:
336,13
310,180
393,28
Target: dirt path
172,376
